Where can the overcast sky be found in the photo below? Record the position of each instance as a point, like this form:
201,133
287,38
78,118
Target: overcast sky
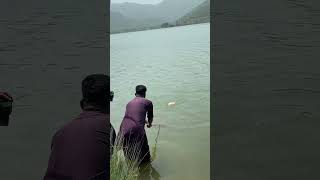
137,1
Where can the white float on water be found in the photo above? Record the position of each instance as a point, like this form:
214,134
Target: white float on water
171,103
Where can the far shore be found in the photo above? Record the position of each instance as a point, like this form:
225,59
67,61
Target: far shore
153,28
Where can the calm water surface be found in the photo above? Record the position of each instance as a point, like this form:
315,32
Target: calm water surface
174,65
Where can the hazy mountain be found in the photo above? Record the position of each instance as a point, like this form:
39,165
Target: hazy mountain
133,16
171,10
167,10
200,14
134,10
119,22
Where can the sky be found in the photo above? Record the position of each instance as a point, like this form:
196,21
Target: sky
137,1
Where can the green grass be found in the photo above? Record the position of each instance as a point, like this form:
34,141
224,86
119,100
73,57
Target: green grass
120,167
123,169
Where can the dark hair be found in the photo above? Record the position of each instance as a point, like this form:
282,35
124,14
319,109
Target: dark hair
95,90
141,90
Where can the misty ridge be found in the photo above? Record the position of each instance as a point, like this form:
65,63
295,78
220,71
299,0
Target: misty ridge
127,17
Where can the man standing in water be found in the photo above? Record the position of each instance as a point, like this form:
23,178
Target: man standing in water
132,127
80,149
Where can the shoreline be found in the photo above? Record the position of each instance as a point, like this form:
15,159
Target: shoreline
157,28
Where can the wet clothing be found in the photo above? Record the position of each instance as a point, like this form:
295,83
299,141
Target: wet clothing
136,147
80,150
132,128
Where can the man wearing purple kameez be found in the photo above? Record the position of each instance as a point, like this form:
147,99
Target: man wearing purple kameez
132,127
80,150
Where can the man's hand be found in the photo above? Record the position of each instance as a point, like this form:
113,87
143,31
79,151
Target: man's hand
149,125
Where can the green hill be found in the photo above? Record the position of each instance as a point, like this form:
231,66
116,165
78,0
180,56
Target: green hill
167,10
134,17
200,14
126,17
119,22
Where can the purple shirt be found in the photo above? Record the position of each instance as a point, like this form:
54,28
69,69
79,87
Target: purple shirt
135,116
80,149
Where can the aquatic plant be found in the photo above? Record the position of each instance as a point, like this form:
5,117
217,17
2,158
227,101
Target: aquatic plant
120,167
123,169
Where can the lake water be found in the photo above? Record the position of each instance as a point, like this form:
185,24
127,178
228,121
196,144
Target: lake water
45,52
174,64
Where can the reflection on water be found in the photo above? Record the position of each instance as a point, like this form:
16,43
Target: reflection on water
174,65
266,81
46,49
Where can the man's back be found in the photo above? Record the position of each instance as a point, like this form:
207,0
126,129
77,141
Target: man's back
135,116
80,150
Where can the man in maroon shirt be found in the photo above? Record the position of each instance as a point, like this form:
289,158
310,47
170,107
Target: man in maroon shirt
132,127
80,149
